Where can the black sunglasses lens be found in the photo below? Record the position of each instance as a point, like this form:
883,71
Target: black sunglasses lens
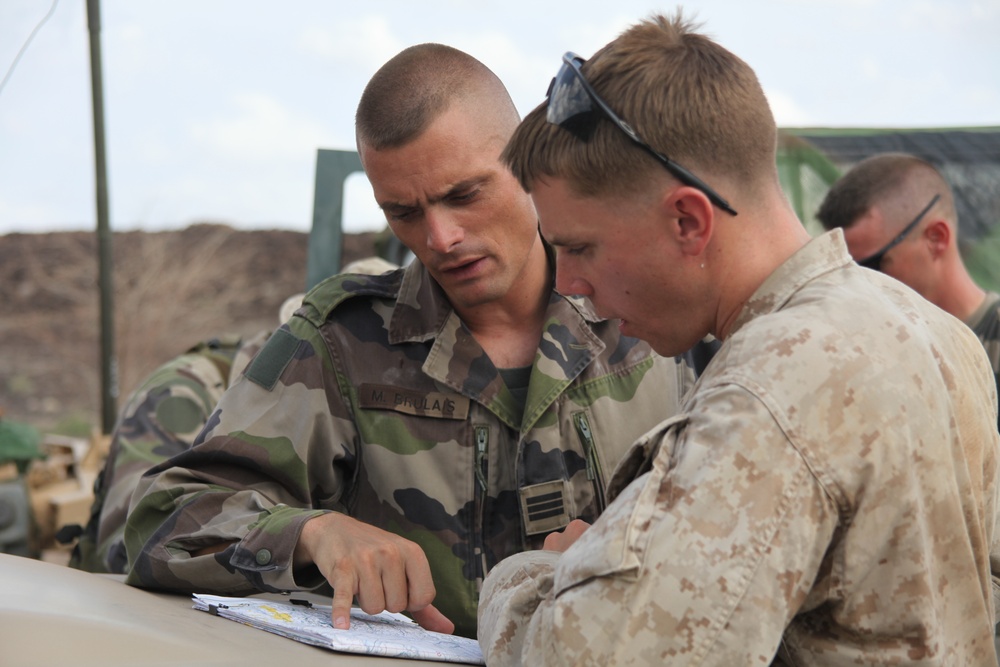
569,105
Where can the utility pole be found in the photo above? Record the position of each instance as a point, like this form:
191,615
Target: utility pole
109,366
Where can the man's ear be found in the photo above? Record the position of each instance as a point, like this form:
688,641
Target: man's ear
938,235
693,218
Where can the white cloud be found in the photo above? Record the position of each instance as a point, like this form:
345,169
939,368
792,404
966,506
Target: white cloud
34,216
262,129
870,69
152,148
787,112
132,33
361,213
367,40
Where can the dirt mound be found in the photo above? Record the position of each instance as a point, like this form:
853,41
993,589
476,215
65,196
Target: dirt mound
172,289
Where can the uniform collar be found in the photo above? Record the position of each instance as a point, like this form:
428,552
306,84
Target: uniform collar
822,254
567,346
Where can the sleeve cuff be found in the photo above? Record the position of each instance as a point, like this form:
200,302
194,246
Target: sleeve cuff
265,554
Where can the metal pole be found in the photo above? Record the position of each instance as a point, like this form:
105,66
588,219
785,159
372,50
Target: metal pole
109,367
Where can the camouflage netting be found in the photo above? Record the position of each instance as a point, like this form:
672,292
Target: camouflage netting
812,158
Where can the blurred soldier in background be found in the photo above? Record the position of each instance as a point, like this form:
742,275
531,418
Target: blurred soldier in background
19,446
162,418
898,215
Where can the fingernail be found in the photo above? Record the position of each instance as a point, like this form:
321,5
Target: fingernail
340,622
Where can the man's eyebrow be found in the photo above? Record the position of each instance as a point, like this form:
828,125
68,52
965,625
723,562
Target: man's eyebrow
451,191
560,241
462,186
386,205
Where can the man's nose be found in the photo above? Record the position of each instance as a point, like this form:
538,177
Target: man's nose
569,283
443,231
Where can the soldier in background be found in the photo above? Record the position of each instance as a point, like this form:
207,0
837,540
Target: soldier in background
402,434
898,216
19,447
162,418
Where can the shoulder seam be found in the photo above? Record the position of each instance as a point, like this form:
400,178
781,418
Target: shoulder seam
325,297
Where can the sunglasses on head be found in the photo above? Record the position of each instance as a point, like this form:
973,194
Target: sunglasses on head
875,261
575,106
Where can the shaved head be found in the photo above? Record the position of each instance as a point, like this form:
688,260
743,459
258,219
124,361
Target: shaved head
897,183
421,82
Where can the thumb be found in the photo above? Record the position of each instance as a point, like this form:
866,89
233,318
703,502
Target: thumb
429,618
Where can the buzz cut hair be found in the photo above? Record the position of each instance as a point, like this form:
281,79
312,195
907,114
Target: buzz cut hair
895,182
417,85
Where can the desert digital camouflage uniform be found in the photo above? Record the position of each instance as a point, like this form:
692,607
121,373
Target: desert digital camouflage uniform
160,419
376,401
827,497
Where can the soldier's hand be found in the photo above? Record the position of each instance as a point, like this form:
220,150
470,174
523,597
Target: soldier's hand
565,538
383,570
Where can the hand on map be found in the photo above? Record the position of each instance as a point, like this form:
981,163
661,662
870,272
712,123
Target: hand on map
383,570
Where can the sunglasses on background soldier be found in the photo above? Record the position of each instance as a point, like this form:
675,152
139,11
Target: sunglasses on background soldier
874,261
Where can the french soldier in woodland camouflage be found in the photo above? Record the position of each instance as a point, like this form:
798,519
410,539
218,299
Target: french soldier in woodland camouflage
403,433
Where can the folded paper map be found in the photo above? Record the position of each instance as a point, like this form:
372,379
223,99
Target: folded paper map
386,634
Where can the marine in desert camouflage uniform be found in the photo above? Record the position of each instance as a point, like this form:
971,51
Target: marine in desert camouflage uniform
460,404
762,523
828,495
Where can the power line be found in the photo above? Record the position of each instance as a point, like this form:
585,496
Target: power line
24,48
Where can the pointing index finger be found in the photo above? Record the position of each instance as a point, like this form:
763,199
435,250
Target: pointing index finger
343,596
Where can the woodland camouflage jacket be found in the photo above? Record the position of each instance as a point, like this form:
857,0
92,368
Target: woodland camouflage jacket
375,400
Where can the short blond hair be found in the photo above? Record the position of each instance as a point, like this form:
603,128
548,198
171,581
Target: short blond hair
684,94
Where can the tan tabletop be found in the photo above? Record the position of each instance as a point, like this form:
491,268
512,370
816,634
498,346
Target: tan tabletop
52,615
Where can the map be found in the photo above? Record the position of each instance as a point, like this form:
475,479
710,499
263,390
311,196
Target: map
386,634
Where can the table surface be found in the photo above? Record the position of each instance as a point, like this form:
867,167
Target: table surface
54,615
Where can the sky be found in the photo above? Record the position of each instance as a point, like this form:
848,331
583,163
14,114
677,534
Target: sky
214,109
